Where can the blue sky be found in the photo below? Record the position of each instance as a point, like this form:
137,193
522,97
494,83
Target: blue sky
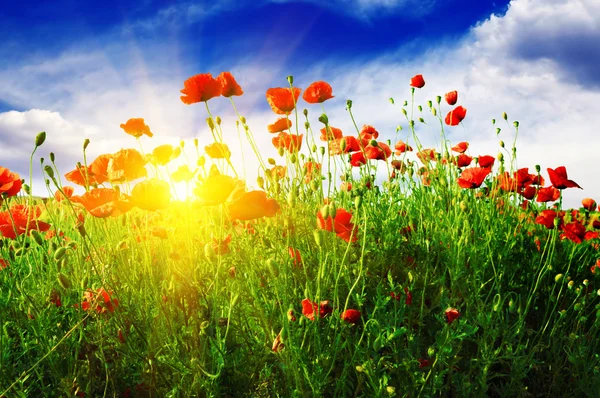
80,68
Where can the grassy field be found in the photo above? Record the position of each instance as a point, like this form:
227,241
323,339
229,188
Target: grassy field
358,267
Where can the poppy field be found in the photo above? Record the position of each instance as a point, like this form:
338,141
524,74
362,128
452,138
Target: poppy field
359,263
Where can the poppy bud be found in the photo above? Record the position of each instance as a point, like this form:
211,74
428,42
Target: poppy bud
211,124
504,116
291,199
420,108
52,157
290,79
511,306
411,123
49,171
261,182
81,229
306,125
64,281
322,150
421,120
201,161
500,156
40,138
501,144
493,121
324,119
209,252
293,158
305,112
86,142
434,111
463,206
570,284
391,101
399,128
243,119
218,120
357,201
196,142
429,104
314,185
349,104
271,161
318,235
373,143
516,124
438,99
404,112
497,301
332,210
182,144
290,315
60,253
280,151
313,148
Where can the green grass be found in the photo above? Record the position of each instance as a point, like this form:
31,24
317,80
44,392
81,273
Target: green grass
192,320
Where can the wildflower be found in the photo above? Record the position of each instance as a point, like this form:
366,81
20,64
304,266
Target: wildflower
216,150
380,152
461,147
340,224
136,127
310,308
473,177
368,133
229,86
222,246
455,116
159,232
426,155
101,299
417,81
317,92
345,144
559,180
463,160
126,165
10,183
401,147
218,188
351,316
280,125
451,97
290,142
3,264
200,88
25,219
311,170
283,100
589,204
576,232
103,202
546,218
330,133
161,155
423,363
251,205
451,315
295,256
151,195
357,159
183,173
66,193
548,194
486,161
528,192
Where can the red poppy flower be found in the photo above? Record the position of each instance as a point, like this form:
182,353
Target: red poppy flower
330,133
10,183
486,161
281,100
3,264
317,92
576,232
221,246
546,218
290,142
126,165
229,86
295,256
425,155
340,224
589,204
136,127
100,301
548,194
451,315
25,219
463,160
401,147
368,133
380,152
558,178
311,169
280,125
455,116
345,144
357,159
252,205
417,81
423,363
528,192
461,147
103,202
351,316
473,177
451,97
200,88
310,308
98,170
68,192
151,195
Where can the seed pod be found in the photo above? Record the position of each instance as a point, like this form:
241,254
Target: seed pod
37,237
40,138
60,253
64,281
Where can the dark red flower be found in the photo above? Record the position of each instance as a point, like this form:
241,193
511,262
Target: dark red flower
463,160
558,178
455,116
417,81
310,308
473,177
529,192
295,256
589,204
548,194
546,218
357,159
351,316
574,231
381,151
451,97
451,315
